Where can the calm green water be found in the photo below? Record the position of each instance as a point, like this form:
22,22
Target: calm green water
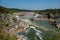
48,30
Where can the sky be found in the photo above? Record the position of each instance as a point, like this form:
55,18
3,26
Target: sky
31,4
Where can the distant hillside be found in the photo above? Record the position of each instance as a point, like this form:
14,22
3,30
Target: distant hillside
11,10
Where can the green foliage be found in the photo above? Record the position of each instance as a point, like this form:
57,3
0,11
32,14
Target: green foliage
55,37
14,18
1,27
4,36
7,24
7,37
3,9
12,10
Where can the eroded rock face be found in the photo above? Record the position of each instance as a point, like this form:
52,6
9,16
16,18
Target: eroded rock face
17,27
58,25
56,22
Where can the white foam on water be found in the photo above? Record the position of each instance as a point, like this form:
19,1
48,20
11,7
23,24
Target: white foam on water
37,32
35,38
35,29
24,38
40,37
17,17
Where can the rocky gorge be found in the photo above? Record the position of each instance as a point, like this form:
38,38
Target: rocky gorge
30,25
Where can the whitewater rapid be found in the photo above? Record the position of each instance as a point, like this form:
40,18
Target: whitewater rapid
38,33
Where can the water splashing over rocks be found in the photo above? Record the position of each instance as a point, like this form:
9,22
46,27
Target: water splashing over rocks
32,34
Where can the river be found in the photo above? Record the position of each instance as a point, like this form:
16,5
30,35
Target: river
42,31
